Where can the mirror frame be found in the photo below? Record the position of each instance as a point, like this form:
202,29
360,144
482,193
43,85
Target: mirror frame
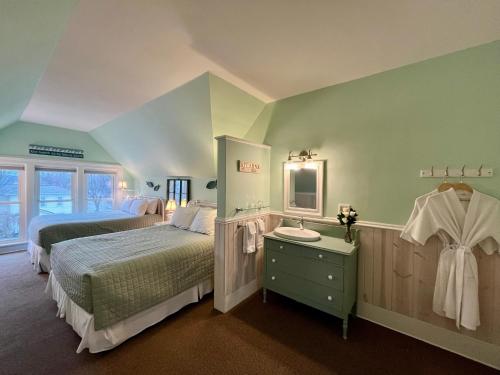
318,211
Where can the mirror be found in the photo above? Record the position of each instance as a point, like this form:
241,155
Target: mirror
303,188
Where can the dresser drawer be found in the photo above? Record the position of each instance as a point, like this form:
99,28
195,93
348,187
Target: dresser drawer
306,252
324,273
328,299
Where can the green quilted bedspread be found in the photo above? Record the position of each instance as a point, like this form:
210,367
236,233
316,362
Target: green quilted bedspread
117,275
67,231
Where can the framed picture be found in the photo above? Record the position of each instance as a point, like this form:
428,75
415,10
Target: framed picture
179,189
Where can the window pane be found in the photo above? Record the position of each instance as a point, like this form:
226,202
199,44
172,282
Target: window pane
100,189
9,221
55,192
9,212
9,185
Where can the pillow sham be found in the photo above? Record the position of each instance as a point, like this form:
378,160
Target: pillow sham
183,217
152,206
125,206
204,221
138,207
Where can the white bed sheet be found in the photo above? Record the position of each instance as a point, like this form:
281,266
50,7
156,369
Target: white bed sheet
108,338
39,257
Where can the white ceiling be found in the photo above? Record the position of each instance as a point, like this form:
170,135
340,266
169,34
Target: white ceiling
116,55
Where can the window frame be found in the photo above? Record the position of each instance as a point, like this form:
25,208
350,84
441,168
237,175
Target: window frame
74,188
30,194
21,202
115,190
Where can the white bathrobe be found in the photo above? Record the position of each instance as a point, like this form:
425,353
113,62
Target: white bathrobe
460,228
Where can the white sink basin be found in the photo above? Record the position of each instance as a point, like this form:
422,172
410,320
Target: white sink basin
297,234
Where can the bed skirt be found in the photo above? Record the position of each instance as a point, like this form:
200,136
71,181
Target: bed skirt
108,338
39,257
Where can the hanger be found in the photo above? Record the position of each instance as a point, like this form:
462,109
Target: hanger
460,186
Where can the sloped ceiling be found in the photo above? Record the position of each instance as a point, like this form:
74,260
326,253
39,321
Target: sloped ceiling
169,136
116,55
173,135
29,32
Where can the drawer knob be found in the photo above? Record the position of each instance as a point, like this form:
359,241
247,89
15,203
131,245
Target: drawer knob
281,247
273,260
273,277
330,277
330,298
320,256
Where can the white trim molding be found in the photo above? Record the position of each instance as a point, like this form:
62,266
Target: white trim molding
29,189
469,347
333,221
243,141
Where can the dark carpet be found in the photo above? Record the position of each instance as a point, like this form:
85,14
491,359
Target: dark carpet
280,337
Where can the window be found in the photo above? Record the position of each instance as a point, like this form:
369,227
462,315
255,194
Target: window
11,203
100,188
178,190
55,191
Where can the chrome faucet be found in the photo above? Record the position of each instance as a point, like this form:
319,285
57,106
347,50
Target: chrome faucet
301,222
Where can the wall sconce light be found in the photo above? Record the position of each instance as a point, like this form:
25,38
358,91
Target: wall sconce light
303,155
122,185
171,205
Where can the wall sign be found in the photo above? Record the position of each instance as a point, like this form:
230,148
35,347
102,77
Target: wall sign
55,151
248,166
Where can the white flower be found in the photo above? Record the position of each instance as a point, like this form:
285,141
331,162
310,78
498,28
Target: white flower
344,220
352,213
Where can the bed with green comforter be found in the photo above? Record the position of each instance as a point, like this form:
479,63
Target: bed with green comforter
117,275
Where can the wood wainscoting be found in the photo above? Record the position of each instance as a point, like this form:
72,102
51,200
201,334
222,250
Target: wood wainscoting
237,275
395,275
392,274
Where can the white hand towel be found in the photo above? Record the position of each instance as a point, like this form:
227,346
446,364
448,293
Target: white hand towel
261,228
249,237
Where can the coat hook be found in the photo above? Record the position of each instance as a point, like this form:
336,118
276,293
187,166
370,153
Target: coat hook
463,174
480,171
432,171
446,174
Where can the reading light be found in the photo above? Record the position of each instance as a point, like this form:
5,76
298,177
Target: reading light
303,155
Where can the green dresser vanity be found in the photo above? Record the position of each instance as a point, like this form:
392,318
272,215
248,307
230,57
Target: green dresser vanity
321,274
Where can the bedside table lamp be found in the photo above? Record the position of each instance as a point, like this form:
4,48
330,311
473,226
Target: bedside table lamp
169,209
171,205
122,185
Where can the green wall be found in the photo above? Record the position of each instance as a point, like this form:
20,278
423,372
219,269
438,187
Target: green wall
168,136
376,133
29,32
198,188
238,189
15,138
173,135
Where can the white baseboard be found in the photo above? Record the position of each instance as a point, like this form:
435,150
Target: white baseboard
228,302
14,247
479,351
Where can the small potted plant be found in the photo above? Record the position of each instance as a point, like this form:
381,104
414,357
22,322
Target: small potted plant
347,218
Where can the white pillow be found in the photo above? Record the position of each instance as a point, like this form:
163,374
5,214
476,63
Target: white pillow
183,217
152,206
204,221
138,207
125,206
